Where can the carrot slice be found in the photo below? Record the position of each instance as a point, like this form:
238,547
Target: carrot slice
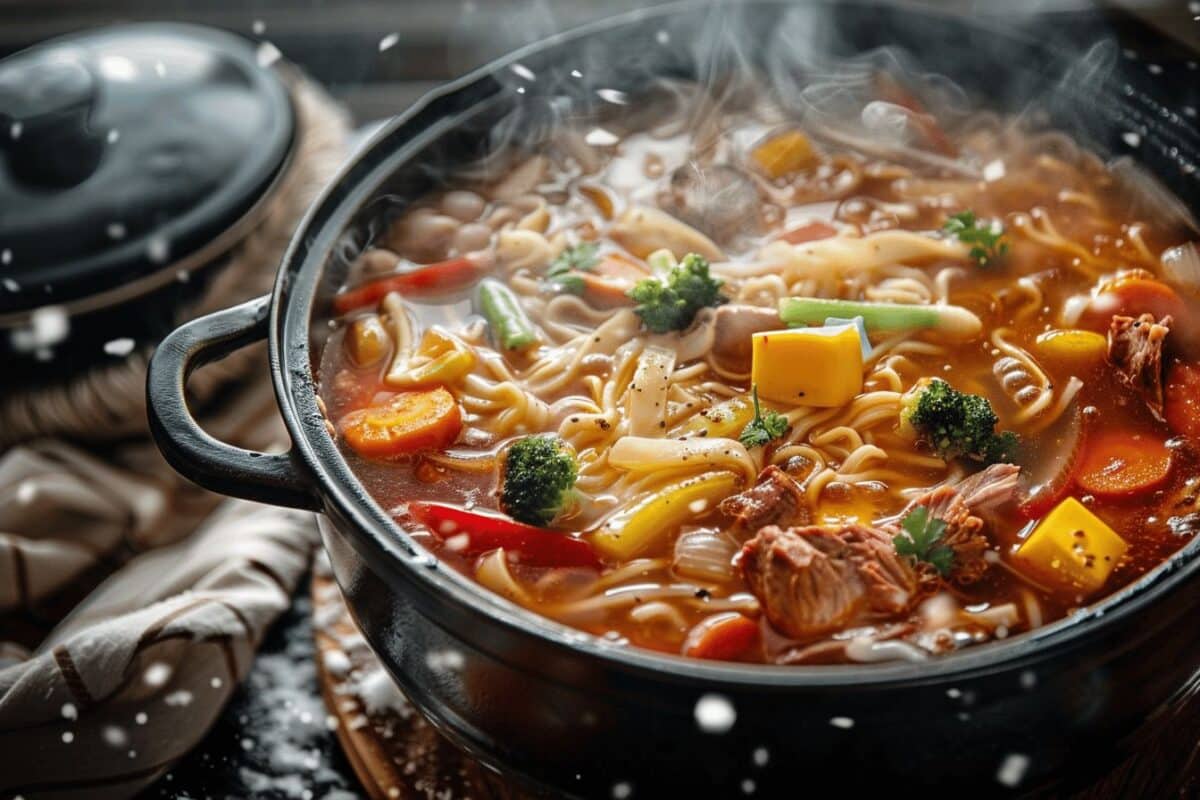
1121,463
1132,296
809,233
1183,399
406,423
721,637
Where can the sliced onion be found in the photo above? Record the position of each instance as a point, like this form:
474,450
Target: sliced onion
1049,464
642,454
1182,265
1005,615
705,555
493,572
475,462
648,392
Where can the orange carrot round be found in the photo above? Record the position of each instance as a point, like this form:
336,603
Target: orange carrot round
406,423
1132,296
1183,399
1121,463
721,637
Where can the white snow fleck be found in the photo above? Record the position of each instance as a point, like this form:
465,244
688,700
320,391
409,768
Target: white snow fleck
599,137
622,790
715,714
157,674
379,694
845,723
158,249
662,37
258,27
69,711
68,737
748,786
615,96
268,54
524,72
15,130
119,347
1012,769
178,699
114,736
388,42
761,756
115,230
445,660
337,663
1028,679
576,73
141,718
1131,138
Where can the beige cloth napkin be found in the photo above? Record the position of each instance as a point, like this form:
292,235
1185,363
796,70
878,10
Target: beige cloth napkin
137,673
100,703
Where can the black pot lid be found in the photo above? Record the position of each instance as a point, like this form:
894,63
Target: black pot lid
125,153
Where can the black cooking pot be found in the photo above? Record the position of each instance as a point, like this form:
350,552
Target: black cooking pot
574,714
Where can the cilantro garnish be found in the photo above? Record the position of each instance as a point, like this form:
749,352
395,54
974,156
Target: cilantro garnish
987,240
920,540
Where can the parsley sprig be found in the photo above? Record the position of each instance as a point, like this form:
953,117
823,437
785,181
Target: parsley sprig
920,540
581,257
987,240
764,427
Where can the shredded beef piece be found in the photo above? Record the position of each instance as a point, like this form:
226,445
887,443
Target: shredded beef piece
989,487
775,500
1135,349
814,580
957,506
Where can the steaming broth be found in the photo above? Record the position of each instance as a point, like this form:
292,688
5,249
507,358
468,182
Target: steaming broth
1104,477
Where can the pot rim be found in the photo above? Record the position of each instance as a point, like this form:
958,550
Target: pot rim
398,558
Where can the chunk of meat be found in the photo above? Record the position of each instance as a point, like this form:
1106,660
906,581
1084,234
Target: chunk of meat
735,324
775,500
958,506
1135,349
813,580
989,487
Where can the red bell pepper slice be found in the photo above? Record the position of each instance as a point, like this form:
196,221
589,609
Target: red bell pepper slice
440,278
485,532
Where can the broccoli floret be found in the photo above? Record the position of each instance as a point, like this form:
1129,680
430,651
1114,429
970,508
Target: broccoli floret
539,479
955,424
672,305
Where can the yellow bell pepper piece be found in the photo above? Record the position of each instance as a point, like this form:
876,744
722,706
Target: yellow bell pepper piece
808,366
648,524
1072,347
1072,547
441,358
783,154
721,421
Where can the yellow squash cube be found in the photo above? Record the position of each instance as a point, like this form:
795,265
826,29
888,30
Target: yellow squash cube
1072,547
808,366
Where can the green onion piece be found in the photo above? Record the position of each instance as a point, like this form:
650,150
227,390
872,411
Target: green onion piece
956,321
661,262
510,324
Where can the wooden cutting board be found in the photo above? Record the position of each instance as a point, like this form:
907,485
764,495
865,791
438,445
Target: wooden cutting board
398,755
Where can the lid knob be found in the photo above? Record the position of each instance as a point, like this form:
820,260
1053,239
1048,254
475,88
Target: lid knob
46,108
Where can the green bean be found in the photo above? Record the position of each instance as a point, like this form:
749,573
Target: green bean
510,325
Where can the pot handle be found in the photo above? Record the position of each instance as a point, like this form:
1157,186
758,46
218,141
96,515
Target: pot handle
215,465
